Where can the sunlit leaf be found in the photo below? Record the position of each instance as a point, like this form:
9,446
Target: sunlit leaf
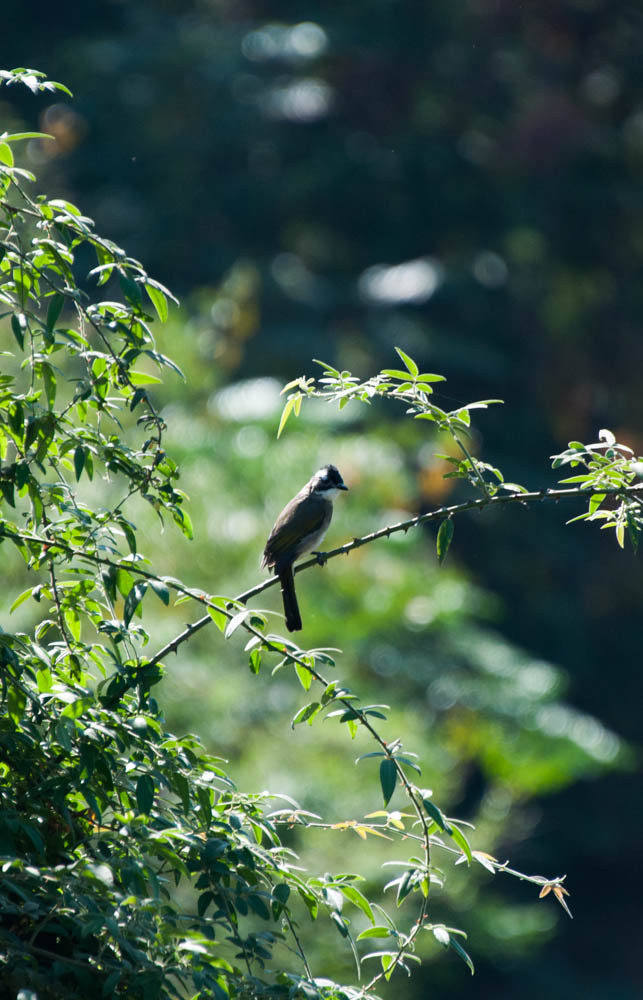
409,362
304,675
234,622
460,840
158,300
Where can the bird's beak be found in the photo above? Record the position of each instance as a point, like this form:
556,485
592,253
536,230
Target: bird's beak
342,486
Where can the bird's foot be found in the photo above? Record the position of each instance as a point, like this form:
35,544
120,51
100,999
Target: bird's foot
322,557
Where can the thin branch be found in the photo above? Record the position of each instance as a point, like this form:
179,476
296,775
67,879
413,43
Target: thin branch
472,462
59,611
299,950
439,514
293,819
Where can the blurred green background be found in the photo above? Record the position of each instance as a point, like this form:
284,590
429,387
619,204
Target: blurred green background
464,180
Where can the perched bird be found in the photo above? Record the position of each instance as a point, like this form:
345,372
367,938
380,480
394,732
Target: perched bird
299,528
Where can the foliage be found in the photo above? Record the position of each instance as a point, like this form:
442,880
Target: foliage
129,858
612,475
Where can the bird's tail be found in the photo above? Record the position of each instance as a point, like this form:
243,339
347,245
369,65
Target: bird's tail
291,608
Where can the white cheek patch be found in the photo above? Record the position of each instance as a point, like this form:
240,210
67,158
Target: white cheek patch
331,492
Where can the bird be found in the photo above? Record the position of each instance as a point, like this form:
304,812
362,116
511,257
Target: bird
299,528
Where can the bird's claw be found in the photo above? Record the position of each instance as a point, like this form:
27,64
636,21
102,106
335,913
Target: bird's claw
322,558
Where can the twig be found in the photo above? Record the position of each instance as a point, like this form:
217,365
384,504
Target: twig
439,514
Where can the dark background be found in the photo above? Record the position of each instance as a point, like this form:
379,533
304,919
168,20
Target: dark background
281,150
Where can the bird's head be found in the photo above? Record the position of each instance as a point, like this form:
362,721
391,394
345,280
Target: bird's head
327,482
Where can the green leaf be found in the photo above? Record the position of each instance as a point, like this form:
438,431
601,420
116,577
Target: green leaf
204,796
6,155
330,692
133,600
131,289
409,763
142,378
219,618
340,923
442,935
79,461
435,814
183,520
158,301
409,362
461,841
77,708
54,310
19,325
328,369
287,410
21,599
44,680
459,950
304,675
306,714
99,367
595,501
6,485
182,788
16,136
387,962
620,534
161,591
145,793
409,881
49,379
375,932
235,622
124,581
445,535
73,622
124,525
281,893
396,373
16,701
388,778
359,899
